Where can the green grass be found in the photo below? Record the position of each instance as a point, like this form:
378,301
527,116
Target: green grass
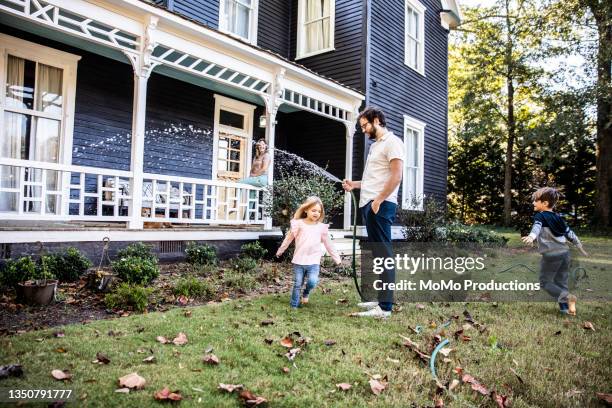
558,370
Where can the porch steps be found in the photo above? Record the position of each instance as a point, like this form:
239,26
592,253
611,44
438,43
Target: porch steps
344,246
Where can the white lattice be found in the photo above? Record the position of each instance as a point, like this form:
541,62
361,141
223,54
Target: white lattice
62,19
312,105
198,66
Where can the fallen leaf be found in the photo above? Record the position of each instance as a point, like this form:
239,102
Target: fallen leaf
187,313
268,341
420,306
183,300
344,386
102,358
572,393
150,359
438,402
230,387
60,350
267,322
285,370
291,354
588,326
166,395
58,334
61,375
343,301
132,380
123,390
377,386
453,384
445,351
502,401
558,332
329,342
211,359
476,386
286,342
180,339
162,339
250,399
607,398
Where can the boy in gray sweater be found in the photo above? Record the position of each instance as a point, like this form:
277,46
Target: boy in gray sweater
552,234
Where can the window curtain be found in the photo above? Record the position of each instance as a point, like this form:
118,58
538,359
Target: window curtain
237,17
317,33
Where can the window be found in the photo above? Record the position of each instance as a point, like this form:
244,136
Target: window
412,187
315,32
239,18
414,42
36,115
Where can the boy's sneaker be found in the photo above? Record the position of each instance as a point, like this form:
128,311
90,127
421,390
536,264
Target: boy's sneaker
571,303
376,312
367,305
563,308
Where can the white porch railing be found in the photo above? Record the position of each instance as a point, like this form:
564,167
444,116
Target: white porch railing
31,190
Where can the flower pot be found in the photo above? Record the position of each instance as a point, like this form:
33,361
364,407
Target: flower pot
100,280
34,294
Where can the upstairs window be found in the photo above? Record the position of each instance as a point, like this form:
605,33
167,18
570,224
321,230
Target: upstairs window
315,33
414,42
239,18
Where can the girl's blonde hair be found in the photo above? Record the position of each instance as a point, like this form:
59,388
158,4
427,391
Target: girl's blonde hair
307,205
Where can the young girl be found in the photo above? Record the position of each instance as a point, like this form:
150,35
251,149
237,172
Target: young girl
308,232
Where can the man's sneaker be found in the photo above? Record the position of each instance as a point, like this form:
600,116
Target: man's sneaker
563,308
376,312
367,305
571,303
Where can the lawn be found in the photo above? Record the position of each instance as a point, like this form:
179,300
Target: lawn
524,351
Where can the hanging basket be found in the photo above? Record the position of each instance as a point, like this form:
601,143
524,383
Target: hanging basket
37,292
100,279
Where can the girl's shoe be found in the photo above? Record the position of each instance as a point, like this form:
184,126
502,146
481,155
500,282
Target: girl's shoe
563,308
304,301
571,303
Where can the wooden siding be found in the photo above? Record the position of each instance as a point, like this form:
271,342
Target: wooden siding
273,26
204,11
400,90
345,63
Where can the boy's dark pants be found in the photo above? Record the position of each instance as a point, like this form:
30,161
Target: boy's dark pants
379,232
554,275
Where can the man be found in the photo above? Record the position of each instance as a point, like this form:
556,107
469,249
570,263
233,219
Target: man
378,201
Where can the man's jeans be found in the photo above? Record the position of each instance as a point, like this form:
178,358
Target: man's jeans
554,274
312,275
379,232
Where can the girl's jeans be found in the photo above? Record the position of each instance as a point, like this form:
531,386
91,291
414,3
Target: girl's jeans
312,275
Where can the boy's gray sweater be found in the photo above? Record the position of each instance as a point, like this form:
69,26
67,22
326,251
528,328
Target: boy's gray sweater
552,233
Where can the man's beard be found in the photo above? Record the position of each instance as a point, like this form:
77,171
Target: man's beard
371,136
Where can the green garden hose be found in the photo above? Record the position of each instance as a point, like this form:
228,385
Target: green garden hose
354,262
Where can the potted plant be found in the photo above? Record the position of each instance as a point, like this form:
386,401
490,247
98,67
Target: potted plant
38,285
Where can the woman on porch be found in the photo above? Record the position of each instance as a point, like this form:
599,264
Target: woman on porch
258,176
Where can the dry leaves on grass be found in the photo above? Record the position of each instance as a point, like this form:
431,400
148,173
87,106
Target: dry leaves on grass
588,326
476,385
378,386
150,359
132,381
180,339
415,348
291,354
210,359
250,399
286,342
166,395
230,387
61,375
607,398
344,386
101,358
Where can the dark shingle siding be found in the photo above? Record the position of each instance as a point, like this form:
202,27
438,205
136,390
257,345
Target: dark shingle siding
273,26
204,11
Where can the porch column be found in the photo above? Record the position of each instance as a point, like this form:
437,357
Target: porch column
272,106
143,66
348,173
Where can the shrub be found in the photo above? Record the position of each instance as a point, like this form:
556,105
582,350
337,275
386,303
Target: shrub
138,250
69,265
422,226
242,281
243,265
128,296
253,250
457,232
191,286
18,270
201,254
204,270
137,270
291,189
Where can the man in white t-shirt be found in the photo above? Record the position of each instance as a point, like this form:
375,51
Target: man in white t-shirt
378,201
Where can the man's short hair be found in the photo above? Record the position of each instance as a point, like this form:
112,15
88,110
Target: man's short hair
370,113
549,194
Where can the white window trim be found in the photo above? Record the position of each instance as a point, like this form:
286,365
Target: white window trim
299,54
419,126
420,8
252,22
52,57
242,108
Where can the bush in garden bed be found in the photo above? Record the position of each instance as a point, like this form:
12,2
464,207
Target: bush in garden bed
193,287
201,254
243,265
69,265
127,296
253,250
138,250
25,269
241,281
137,270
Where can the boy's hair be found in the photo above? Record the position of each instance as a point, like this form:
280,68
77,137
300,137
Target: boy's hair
306,205
370,113
549,194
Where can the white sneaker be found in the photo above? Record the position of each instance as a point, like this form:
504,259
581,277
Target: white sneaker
367,305
376,312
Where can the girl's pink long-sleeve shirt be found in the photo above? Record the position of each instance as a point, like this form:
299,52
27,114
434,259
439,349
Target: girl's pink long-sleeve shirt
308,239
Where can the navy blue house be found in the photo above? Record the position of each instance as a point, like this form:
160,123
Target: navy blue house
135,120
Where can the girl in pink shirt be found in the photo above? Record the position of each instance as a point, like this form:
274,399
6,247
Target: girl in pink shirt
309,233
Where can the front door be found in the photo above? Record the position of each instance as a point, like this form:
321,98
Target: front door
233,136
